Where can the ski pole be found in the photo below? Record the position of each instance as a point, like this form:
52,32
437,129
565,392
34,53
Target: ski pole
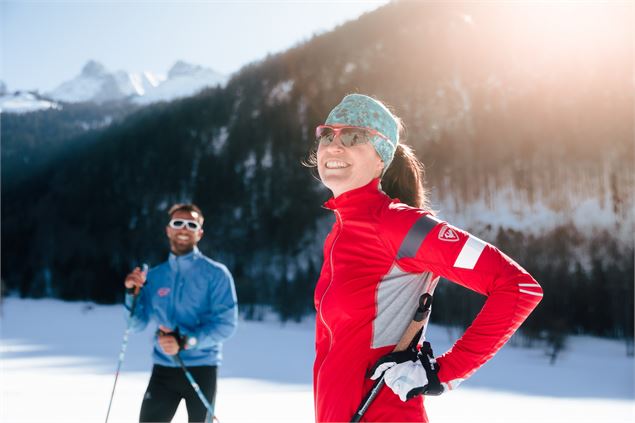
124,344
197,389
409,339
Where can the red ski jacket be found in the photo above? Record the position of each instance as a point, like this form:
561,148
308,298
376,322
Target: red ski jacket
379,258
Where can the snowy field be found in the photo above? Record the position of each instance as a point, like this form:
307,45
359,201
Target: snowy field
58,363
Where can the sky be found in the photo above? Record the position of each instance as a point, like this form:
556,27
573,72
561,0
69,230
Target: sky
43,43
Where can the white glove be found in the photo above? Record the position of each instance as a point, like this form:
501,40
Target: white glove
389,360
406,379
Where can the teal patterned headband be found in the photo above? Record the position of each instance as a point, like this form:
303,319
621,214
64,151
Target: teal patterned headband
361,110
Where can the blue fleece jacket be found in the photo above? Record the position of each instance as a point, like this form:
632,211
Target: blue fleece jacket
194,294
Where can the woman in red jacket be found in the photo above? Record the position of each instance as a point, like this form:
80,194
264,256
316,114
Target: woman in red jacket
379,258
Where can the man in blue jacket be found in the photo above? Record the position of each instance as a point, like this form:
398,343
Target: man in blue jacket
192,299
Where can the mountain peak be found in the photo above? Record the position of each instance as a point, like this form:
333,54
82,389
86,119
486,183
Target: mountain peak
181,68
96,83
93,68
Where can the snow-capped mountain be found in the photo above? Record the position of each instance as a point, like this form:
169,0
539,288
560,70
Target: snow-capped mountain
183,80
96,83
23,102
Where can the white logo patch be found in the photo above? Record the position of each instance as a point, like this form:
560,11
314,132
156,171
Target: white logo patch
447,234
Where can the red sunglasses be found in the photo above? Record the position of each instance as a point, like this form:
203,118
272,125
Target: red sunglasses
349,135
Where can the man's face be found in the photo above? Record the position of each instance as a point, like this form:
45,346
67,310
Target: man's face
183,240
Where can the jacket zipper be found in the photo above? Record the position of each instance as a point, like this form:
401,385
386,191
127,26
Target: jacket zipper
176,295
339,221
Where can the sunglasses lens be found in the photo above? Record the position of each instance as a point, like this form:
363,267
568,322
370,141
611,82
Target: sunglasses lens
180,224
324,135
353,136
349,136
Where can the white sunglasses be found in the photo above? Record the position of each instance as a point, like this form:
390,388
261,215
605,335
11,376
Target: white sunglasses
192,225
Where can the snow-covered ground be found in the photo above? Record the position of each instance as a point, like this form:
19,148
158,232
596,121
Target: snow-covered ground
58,361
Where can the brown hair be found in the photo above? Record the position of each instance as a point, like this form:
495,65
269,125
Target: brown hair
190,208
404,178
311,161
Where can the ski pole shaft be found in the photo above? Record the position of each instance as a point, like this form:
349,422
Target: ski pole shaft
368,400
197,389
410,338
124,344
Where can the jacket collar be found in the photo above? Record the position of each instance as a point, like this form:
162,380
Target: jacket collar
184,261
359,200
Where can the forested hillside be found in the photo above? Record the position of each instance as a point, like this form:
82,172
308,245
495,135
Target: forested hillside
525,128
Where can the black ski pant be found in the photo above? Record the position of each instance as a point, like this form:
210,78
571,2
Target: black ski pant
168,385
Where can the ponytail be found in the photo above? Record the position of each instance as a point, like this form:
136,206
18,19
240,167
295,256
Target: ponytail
404,178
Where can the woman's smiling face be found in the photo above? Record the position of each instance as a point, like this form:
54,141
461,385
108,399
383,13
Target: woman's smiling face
342,169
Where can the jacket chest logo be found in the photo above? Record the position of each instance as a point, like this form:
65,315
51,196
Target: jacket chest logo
163,292
447,234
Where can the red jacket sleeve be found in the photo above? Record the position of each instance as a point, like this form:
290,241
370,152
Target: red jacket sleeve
435,246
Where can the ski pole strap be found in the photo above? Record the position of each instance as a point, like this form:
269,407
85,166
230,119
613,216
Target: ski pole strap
425,302
421,315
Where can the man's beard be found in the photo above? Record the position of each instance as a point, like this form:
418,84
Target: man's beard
181,249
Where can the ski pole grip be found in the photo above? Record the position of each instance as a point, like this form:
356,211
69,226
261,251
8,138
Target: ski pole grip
411,331
409,339
144,269
417,323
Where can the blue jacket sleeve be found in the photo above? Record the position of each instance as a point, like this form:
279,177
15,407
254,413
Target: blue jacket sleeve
141,317
219,321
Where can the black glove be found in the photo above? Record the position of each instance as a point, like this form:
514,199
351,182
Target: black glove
429,363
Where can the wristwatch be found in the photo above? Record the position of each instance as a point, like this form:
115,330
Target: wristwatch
190,342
